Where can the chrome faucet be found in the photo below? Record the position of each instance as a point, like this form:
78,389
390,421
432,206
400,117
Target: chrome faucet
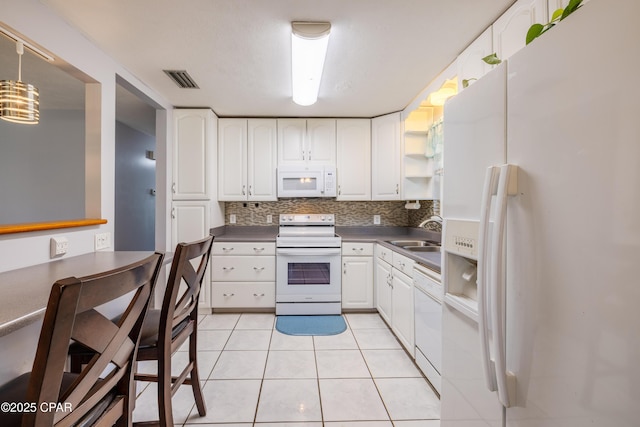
434,219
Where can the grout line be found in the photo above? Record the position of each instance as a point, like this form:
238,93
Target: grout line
264,371
373,380
315,350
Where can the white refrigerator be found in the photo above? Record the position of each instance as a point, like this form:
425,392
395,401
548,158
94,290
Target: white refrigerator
541,244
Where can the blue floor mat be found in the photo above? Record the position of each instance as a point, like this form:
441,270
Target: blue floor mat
311,325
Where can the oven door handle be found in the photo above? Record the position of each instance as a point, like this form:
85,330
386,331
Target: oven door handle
308,251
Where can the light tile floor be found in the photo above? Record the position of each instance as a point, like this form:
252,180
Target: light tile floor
255,376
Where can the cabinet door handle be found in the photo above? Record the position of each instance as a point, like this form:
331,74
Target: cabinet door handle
258,295
258,249
345,268
173,188
303,156
249,190
258,268
357,249
397,188
309,154
339,190
228,268
228,295
173,213
243,190
227,249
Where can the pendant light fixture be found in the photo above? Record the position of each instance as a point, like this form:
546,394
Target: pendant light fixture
19,102
309,42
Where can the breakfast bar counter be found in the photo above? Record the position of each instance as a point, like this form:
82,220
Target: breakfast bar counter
24,292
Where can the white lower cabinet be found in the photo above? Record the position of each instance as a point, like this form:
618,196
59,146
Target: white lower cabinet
243,275
394,294
190,221
383,289
402,309
357,275
243,295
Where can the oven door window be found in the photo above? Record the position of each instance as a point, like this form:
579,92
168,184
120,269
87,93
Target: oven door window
308,273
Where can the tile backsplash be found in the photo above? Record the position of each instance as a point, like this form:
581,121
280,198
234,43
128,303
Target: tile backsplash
347,213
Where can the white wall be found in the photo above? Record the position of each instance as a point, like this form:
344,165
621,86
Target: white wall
52,187
41,26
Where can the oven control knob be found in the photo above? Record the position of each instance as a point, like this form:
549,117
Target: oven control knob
290,218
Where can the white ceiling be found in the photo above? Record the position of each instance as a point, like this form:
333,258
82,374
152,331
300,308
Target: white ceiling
381,53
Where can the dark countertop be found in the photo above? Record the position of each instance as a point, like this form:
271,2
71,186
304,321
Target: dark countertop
373,234
249,233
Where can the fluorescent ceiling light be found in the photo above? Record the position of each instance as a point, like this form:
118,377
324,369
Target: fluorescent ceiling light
309,42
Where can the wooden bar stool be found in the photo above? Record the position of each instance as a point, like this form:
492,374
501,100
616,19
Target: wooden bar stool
103,392
165,330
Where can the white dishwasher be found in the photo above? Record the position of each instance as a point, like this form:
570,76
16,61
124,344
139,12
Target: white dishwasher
428,323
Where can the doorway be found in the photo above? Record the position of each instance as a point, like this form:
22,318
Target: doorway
135,170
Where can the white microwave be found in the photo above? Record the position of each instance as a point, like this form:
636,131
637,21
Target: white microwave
307,181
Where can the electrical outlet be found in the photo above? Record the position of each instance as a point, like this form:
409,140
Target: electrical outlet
59,246
269,219
102,241
232,218
376,219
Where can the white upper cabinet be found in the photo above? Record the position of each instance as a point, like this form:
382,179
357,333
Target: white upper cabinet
354,159
510,30
386,149
306,141
291,140
262,159
193,154
321,141
247,159
232,159
470,63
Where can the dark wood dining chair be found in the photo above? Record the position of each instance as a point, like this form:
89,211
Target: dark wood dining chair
167,329
103,392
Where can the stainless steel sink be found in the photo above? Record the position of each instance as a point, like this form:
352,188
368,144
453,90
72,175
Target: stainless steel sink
422,248
413,243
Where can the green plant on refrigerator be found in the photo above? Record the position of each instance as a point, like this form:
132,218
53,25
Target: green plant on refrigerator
536,30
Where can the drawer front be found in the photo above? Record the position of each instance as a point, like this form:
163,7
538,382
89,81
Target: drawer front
357,249
243,268
243,295
403,263
384,253
243,248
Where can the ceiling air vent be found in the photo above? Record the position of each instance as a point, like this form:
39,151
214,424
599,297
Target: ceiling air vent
181,78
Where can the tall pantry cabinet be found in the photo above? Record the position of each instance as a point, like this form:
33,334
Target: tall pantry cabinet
195,209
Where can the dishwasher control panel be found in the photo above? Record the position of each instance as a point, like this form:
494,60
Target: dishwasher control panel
428,281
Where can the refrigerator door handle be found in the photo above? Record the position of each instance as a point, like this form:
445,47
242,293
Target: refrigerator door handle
507,186
484,321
